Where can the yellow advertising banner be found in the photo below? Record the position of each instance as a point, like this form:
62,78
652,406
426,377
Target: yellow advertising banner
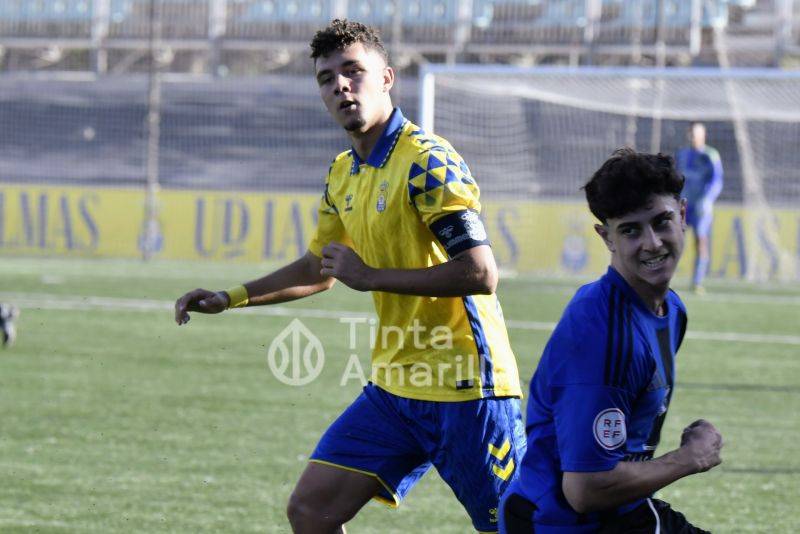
527,236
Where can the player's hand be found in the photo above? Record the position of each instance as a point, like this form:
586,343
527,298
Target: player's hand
702,442
342,263
200,300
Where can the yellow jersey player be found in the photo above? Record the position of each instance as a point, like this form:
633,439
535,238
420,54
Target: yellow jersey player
400,216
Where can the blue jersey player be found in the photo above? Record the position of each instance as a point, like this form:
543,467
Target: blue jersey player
600,394
702,168
400,217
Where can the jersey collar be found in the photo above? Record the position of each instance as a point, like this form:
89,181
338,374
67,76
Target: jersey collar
617,279
383,149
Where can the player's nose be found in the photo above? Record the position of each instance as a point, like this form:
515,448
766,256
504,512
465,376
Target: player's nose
342,84
651,239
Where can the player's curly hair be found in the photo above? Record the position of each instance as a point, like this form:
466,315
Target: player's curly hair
342,33
627,179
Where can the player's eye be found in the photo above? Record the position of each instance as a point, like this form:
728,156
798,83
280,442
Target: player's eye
324,78
629,231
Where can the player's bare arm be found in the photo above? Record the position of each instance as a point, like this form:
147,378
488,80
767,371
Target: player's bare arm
471,272
588,492
296,280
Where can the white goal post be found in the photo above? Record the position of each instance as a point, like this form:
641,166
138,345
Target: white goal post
538,133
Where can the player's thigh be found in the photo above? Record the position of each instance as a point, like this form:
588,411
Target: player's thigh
371,437
333,492
702,227
482,445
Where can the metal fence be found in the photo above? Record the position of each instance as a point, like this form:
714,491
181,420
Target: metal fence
453,30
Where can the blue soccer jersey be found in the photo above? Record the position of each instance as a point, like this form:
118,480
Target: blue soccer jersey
599,395
703,172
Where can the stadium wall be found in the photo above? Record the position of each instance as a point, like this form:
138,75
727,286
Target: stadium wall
551,237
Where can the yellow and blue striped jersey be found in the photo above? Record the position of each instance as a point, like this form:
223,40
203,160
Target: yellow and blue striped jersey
413,204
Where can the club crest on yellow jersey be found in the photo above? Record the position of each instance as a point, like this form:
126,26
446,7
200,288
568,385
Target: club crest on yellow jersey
381,204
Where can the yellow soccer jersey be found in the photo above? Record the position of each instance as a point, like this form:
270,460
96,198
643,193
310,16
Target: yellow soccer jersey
412,204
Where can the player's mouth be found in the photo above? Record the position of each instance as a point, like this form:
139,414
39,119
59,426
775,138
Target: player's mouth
655,262
348,105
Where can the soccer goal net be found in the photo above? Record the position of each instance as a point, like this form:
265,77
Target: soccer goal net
539,134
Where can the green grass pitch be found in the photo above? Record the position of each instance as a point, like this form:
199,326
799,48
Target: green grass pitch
114,419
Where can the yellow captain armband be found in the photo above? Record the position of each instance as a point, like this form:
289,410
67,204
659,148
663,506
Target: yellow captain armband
238,297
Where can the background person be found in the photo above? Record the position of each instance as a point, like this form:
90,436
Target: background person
701,165
9,314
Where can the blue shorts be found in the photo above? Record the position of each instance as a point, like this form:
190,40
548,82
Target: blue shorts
518,516
475,445
700,218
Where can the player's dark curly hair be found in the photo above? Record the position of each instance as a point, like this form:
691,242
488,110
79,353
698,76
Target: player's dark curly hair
342,33
627,179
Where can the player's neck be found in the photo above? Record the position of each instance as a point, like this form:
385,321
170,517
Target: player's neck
364,142
654,299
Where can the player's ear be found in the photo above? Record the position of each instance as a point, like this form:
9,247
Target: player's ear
682,207
388,78
604,232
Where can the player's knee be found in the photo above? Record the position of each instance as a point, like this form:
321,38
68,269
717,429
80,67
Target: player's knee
297,510
309,515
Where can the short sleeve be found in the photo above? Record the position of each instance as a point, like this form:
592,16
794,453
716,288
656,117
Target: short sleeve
446,197
590,414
